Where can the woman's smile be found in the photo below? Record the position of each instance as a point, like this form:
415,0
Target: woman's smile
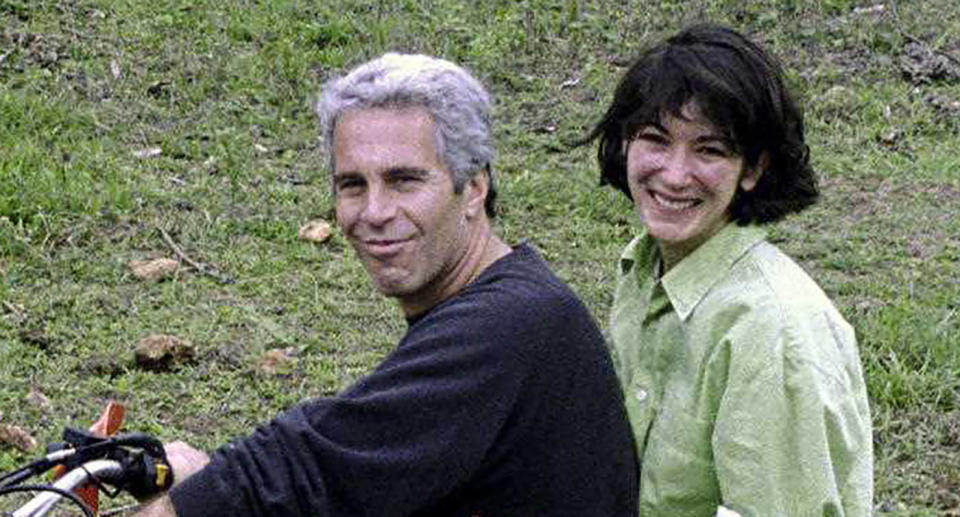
683,175
673,203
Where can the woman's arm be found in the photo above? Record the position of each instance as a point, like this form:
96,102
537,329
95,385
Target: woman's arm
793,431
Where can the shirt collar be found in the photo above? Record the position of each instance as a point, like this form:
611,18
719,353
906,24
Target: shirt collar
691,279
641,249
628,257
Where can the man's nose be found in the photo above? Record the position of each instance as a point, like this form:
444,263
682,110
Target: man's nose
379,207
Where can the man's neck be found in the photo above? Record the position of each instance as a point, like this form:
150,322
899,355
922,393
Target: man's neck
484,250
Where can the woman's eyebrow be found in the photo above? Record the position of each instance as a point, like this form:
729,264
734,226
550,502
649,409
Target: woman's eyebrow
649,126
653,125
714,137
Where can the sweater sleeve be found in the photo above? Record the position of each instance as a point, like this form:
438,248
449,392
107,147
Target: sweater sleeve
408,434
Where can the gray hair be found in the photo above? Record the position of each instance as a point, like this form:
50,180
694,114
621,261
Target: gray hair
457,102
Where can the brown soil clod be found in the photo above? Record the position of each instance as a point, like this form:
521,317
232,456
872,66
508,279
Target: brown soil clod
161,352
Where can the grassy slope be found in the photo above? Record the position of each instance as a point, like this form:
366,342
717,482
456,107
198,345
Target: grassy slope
223,90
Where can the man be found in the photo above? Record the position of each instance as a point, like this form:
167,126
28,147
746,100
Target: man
499,400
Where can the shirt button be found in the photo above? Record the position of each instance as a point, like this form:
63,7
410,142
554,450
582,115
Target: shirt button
640,394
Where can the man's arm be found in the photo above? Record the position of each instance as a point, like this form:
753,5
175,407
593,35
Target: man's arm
400,439
161,507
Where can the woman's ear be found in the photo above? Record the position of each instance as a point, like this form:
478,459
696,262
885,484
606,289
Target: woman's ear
751,175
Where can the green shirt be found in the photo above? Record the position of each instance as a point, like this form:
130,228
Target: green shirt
742,382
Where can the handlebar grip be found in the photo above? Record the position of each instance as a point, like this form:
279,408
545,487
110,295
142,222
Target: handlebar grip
148,477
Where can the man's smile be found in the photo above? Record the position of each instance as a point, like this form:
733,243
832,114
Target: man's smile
384,248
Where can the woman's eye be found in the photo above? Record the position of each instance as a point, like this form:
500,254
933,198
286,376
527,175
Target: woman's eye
720,151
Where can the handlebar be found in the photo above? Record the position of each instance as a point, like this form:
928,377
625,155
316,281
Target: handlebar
102,470
132,463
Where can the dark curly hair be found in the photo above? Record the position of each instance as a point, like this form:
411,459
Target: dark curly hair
739,88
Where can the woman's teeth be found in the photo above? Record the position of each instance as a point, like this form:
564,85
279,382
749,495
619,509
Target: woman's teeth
674,204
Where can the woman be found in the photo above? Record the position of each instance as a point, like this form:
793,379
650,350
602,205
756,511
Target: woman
742,381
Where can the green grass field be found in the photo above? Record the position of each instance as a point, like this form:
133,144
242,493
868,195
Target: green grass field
122,121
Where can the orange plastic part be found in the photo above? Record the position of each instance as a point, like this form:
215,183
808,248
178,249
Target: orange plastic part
107,425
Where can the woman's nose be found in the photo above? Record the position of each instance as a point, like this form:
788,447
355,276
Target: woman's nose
676,167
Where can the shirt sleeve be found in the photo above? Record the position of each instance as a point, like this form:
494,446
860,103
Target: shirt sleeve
409,433
792,433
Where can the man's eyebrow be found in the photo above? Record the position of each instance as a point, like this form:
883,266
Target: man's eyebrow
407,171
345,174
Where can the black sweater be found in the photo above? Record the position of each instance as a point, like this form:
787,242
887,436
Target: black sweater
499,401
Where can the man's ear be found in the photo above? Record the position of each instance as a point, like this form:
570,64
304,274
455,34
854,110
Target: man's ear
475,193
751,175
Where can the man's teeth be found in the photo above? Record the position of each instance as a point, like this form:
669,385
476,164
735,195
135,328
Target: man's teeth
675,205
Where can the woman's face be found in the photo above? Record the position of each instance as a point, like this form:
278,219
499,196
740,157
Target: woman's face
683,174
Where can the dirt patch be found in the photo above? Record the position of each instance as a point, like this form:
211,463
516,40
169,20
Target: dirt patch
929,229
946,110
834,46
32,49
879,200
101,365
920,64
877,231
852,61
875,40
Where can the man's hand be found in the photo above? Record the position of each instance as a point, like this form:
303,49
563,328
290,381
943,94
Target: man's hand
161,507
184,460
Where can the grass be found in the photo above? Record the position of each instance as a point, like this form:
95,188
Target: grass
223,90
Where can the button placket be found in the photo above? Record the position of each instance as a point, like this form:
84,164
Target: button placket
640,393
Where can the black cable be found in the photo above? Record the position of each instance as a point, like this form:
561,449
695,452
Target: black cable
95,481
31,469
74,498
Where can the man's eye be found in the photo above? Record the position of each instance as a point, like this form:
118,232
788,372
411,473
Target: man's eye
348,184
406,178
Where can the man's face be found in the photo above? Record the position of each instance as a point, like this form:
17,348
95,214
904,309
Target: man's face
396,205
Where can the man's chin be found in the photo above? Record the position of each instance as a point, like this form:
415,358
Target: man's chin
394,282
391,286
